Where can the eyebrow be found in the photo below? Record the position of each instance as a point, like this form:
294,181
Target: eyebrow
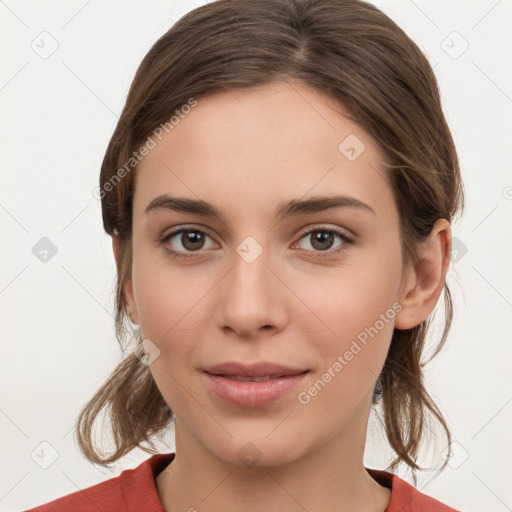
284,208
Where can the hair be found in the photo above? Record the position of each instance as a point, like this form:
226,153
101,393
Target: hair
356,54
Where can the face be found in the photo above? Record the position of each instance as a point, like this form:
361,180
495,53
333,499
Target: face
315,289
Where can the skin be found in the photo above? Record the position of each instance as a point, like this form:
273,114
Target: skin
245,153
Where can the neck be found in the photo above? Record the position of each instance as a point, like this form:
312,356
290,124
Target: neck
330,477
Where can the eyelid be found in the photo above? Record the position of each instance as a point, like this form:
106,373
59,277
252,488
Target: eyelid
327,227
187,227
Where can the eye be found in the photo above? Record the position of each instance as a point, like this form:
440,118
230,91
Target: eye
322,239
191,240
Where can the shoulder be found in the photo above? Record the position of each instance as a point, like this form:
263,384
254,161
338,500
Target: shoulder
405,497
132,490
106,495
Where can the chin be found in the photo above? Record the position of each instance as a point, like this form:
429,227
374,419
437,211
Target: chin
261,452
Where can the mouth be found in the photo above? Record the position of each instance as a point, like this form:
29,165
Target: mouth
252,391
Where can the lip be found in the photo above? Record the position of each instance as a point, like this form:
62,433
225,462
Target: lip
260,369
252,394
249,394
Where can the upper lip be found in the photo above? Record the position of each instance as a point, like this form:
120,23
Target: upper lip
260,369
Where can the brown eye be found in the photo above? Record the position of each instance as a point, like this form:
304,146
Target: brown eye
191,240
321,240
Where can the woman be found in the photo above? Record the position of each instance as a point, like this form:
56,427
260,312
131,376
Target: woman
279,191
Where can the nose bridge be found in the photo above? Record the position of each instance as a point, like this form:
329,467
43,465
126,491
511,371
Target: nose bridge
250,273
250,296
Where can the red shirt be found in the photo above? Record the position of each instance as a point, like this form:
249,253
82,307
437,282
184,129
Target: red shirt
134,490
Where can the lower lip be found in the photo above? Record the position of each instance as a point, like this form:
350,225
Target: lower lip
250,393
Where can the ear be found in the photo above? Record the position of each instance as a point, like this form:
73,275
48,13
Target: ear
424,284
128,288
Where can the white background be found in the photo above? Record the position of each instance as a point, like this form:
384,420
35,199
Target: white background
57,329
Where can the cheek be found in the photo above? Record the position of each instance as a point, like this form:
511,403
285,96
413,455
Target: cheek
350,360
167,301
352,297
169,312
356,314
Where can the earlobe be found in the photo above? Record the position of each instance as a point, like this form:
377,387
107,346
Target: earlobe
425,284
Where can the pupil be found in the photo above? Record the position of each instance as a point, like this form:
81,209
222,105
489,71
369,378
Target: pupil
322,237
191,238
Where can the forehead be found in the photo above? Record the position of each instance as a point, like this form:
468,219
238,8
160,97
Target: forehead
258,146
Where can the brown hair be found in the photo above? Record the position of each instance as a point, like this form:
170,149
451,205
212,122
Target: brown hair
348,49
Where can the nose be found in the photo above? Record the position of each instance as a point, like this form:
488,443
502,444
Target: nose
251,297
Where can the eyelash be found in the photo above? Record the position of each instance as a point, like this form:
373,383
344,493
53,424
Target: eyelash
320,255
